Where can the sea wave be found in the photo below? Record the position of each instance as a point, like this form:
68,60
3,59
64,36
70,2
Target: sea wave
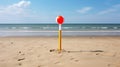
55,33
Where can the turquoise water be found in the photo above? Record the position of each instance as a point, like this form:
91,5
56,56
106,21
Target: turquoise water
51,29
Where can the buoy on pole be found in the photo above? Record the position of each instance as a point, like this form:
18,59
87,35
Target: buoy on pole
60,21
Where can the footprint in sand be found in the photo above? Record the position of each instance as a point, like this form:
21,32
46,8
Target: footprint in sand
11,43
20,52
21,59
71,58
19,64
38,55
76,60
2,60
58,63
109,65
39,66
97,53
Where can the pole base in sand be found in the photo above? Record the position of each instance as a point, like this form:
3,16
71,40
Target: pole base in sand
57,51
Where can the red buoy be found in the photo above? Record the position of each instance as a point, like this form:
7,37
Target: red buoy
60,19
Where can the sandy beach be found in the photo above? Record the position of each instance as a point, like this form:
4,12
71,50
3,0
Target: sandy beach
78,52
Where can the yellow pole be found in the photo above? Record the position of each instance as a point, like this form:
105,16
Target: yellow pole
60,39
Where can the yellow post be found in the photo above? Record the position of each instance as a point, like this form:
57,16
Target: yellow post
60,39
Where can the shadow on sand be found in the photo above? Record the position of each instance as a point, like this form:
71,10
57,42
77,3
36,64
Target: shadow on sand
85,51
54,50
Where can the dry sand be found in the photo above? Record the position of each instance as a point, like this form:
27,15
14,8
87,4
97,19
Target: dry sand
79,52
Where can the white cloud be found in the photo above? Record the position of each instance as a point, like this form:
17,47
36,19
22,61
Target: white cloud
113,9
107,11
17,8
84,10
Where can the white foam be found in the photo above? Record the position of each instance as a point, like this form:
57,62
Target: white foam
13,27
24,27
115,27
104,27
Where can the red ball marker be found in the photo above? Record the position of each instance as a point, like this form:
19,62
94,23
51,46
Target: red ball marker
60,19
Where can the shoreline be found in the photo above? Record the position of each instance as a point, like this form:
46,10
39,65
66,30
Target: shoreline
55,33
53,36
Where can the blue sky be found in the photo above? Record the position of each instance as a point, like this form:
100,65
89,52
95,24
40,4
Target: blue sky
38,11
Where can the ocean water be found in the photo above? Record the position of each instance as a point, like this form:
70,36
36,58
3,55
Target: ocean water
52,30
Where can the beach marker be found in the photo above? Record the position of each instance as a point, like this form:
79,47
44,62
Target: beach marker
60,21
